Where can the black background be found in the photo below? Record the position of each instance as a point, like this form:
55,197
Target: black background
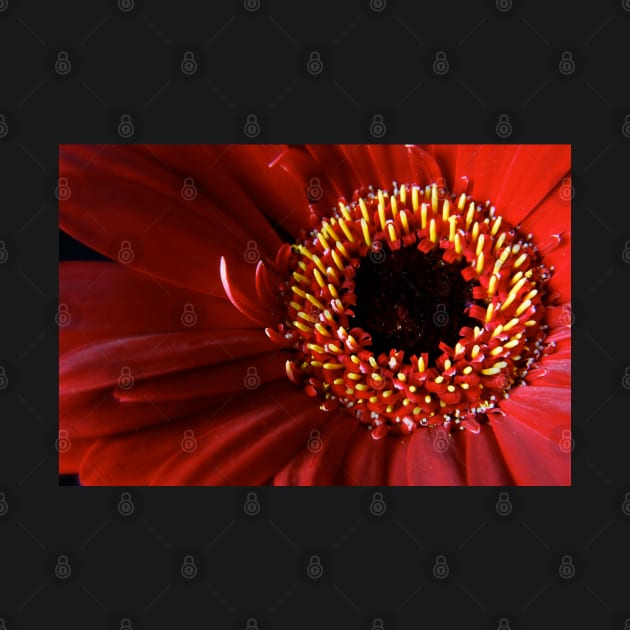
503,60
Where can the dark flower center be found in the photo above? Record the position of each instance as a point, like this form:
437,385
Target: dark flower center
412,301
412,308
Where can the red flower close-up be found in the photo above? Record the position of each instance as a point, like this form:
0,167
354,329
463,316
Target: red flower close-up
364,315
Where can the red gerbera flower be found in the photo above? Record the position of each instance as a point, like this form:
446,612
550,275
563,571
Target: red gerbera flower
352,315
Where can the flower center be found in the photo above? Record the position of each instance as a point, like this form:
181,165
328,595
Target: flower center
412,301
413,308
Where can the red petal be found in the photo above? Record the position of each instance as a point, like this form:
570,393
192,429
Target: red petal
553,371
551,220
429,465
70,460
546,410
237,375
123,199
380,165
239,292
282,198
320,467
106,300
515,178
366,460
99,365
484,460
97,413
533,459
243,442
397,475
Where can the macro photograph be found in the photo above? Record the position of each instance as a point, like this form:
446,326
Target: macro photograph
315,315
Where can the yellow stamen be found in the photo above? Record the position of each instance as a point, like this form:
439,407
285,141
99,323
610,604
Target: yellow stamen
496,225
511,323
381,209
337,260
391,230
458,243
489,312
342,248
321,330
470,214
434,198
319,278
475,231
345,211
415,202
303,327
516,277
451,228
492,285
366,232
491,371
499,244
480,263
520,260
304,251
432,231
364,210
480,242
404,221
320,265
346,230
323,241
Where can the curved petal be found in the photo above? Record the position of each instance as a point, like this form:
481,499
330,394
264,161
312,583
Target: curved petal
70,459
258,170
555,372
550,225
515,178
397,473
106,300
242,442
143,356
435,459
546,410
485,465
97,413
379,165
237,375
366,460
533,459
319,465
126,201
